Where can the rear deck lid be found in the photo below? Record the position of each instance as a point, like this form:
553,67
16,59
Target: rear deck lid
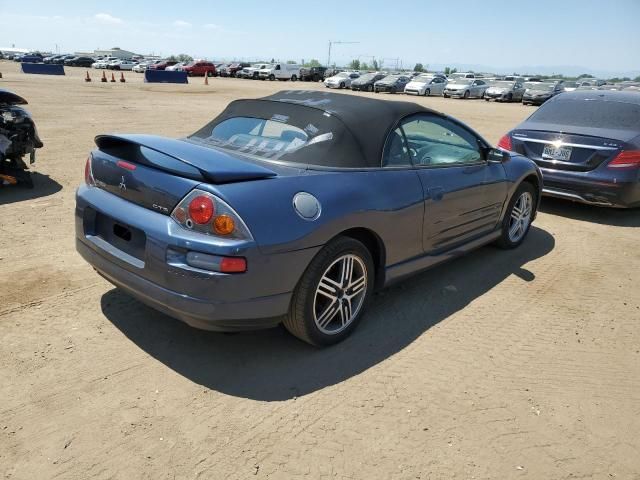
157,172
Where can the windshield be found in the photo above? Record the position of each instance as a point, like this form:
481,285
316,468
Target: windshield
545,87
502,84
589,113
463,81
366,77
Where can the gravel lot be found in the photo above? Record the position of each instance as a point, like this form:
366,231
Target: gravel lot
499,365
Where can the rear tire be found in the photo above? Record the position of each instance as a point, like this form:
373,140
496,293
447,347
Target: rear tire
294,78
324,308
342,85
518,216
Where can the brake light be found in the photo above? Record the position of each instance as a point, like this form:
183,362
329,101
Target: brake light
626,159
126,165
205,213
88,172
505,143
233,265
201,209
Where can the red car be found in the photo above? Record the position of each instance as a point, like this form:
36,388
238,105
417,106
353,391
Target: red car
200,69
161,65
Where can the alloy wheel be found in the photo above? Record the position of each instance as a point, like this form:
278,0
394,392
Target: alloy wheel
520,217
340,294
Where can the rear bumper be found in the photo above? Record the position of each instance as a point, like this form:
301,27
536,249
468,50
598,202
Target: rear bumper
251,314
158,276
593,188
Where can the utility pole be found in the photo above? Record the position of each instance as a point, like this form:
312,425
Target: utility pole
335,43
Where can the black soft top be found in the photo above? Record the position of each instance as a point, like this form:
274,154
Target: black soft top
10,98
362,123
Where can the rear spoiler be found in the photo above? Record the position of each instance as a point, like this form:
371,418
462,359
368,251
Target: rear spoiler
214,165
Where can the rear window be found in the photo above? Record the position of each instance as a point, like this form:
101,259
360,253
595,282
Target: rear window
590,113
278,131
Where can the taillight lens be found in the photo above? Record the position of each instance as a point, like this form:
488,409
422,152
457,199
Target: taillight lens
626,159
201,209
233,265
505,143
203,212
88,172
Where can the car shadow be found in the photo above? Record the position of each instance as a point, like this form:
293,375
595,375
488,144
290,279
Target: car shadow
272,365
615,217
43,185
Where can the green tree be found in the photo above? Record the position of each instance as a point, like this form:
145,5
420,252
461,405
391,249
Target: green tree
364,66
637,79
355,64
585,75
291,62
418,68
375,65
312,63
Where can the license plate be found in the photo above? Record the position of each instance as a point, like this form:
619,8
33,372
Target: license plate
557,153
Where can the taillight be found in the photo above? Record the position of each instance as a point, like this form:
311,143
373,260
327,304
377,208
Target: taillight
203,212
233,265
201,209
88,173
505,143
626,159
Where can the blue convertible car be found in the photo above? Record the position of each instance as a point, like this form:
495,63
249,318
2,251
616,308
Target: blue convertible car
295,208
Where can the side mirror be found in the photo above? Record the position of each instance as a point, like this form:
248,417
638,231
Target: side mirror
495,155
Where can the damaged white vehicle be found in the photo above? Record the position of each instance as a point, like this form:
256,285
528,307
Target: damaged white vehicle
18,139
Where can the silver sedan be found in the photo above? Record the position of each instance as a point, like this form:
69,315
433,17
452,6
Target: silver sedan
465,88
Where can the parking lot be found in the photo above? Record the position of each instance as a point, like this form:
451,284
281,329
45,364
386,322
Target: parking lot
499,365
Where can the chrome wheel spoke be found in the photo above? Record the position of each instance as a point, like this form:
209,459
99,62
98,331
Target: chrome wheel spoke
520,217
328,314
328,288
340,294
345,311
347,271
356,287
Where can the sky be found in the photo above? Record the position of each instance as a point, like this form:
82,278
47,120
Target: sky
603,36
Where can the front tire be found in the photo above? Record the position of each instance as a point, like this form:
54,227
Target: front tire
342,85
332,294
518,217
466,94
427,92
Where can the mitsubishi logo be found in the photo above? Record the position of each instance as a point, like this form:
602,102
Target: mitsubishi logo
123,186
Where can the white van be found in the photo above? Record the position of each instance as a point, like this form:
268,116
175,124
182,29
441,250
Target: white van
281,71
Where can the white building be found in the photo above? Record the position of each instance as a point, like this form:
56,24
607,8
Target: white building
115,52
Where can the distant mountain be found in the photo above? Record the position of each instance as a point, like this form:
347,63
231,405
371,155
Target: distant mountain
567,70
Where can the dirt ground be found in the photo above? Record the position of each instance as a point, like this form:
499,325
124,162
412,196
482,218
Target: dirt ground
522,364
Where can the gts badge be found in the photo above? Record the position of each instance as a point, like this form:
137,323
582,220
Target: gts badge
160,208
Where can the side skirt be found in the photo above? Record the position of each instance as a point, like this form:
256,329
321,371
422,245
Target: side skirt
402,270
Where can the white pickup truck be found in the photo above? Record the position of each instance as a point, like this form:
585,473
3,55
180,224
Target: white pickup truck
281,71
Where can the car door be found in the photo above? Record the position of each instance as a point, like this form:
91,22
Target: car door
478,88
463,192
437,86
518,91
